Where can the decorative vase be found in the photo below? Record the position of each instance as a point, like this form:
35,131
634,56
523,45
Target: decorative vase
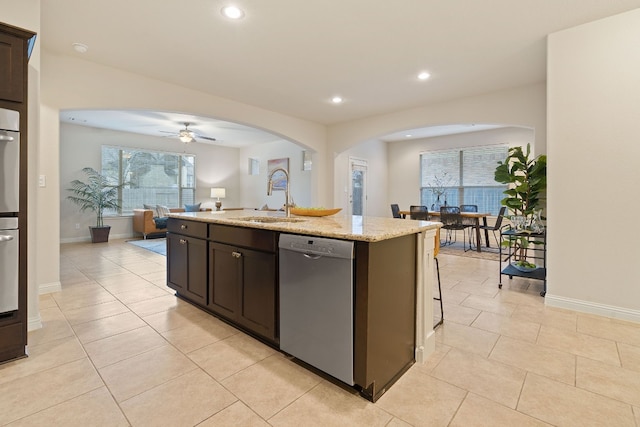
518,222
537,226
436,206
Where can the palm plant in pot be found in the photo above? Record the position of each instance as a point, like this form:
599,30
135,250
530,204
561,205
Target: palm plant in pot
527,180
95,195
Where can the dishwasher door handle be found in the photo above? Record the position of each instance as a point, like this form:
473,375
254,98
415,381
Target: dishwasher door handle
5,238
312,256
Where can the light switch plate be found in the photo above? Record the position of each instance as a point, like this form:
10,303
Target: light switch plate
42,181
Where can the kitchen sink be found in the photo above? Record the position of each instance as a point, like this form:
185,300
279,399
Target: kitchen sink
269,219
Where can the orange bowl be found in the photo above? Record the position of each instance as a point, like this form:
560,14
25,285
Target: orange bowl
314,212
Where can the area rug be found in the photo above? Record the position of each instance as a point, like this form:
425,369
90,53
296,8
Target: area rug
458,250
158,246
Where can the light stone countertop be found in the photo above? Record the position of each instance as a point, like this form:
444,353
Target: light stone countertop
368,228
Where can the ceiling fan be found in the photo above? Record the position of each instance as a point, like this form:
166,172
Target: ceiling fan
186,135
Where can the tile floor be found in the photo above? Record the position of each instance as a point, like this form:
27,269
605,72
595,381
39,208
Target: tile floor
117,348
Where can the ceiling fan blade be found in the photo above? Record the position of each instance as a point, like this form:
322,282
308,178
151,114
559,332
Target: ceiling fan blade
207,138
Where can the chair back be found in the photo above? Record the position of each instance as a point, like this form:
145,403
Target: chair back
395,211
450,216
498,223
419,212
468,208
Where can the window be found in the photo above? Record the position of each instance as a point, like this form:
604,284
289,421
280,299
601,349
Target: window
150,177
467,176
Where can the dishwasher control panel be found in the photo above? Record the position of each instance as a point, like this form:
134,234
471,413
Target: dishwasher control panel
316,245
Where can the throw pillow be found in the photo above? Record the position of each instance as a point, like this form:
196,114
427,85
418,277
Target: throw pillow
163,211
160,223
192,208
152,209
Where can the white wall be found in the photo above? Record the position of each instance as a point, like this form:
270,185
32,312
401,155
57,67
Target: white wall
594,166
254,187
404,157
71,83
80,146
519,107
26,14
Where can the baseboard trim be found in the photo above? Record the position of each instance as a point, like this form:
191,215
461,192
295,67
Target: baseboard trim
48,288
87,239
611,311
34,323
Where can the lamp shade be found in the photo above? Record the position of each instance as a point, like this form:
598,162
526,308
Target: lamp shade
218,193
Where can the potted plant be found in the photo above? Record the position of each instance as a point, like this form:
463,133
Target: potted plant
527,180
95,195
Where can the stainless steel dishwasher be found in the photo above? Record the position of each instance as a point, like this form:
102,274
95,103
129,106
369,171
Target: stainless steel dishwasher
316,303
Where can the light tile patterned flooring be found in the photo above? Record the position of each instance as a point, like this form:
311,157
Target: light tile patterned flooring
117,348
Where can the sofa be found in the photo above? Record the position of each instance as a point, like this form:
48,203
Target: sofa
143,221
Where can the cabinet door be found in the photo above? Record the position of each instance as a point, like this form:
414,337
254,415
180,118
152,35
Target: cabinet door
223,280
12,66
187,267
258,292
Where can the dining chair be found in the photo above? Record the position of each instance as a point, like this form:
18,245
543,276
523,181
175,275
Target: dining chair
498,224
395,211
452,222
470,222
419,212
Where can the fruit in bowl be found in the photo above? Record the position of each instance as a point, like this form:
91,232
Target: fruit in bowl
524,265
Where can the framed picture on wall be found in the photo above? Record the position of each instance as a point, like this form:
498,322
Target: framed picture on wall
279,179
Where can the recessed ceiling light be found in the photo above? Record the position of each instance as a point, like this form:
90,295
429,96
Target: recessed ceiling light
80,48
232,12
337,99
408,135
424,75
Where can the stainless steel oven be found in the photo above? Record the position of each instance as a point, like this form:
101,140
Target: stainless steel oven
9,162
8,264
9,208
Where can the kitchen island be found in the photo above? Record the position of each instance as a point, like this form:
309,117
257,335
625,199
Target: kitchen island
226,262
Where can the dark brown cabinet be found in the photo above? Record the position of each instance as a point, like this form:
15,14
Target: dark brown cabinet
14,48
229,271
187,259
384,311
14,43
12,66
243,278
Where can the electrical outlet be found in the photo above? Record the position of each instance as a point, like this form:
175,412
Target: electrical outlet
77,226
42,181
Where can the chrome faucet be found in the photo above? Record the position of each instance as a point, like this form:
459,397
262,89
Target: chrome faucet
287,211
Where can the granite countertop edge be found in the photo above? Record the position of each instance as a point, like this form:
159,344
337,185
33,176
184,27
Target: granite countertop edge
367,228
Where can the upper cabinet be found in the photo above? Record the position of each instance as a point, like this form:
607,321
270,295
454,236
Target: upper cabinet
15,44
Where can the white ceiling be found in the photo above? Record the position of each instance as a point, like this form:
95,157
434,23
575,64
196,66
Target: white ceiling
292,56
168,124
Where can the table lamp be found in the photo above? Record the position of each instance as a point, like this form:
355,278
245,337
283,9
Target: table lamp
218,193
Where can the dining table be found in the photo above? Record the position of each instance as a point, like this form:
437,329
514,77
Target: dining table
476,216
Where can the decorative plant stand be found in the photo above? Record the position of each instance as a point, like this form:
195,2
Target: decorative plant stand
536,253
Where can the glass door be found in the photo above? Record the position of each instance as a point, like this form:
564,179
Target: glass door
358,187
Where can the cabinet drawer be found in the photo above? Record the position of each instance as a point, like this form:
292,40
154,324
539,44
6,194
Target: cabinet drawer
188,228
261,240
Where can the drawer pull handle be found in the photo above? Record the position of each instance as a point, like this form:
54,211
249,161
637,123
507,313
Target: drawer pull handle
236,254
183,227
183,242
